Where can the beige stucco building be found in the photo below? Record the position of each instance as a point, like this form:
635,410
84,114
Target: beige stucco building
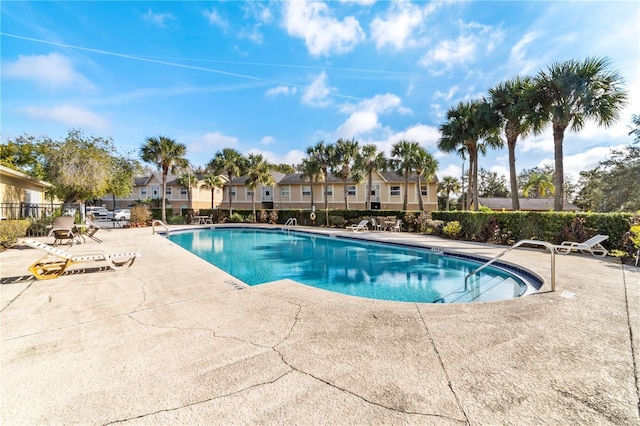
290,191
150,188
21,195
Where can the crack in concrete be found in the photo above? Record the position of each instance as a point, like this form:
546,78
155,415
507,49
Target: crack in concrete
444,368
17,295
634,355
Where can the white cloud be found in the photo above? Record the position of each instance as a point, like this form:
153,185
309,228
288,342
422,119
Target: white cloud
282,90
292,157
451,170
446,96
359,2
357,124
52,71
317,93
519,57
397,27
216,19
67,114
159,19
268,140
210,142
322,33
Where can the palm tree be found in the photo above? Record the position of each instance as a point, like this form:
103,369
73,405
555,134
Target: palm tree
188,180
403,161
471,127
232,163
542,183
449,184
323,154
310,169
212,182
168,155
512,100
369,160
258,173
425,166
342,162
569,94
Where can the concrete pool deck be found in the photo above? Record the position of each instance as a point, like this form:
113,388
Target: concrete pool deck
174,340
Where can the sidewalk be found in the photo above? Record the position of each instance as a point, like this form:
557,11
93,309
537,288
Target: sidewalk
174,340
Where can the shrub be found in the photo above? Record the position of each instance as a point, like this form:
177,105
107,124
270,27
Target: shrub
263,216
38,227
452,229
273,217
237,218
140,214
11,230
337,221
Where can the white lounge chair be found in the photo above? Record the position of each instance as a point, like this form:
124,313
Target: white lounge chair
592,245
362,226
57,261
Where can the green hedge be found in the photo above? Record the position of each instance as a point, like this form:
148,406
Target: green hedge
11,230
554,227
303,216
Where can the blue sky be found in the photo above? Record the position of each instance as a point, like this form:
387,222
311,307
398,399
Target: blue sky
277,77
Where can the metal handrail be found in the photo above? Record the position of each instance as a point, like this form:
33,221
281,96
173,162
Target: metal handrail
519,243
292,221
159,222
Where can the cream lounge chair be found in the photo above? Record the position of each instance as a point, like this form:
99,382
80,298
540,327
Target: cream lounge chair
64,229
57,261
592,245
362,226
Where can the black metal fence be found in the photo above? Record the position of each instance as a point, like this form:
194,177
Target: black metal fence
14,211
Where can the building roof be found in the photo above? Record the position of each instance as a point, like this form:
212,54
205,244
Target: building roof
529,204
6,171
295,178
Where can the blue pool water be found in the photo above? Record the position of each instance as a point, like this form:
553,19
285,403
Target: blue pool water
344,265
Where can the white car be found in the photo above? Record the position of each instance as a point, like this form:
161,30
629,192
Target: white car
97,212
122,214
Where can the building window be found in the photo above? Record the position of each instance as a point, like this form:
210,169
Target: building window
249,192
351,190
284,191
423,190
217,190
329,190
394,191
155,191
183,191
232,191
143,192
168,191
306,190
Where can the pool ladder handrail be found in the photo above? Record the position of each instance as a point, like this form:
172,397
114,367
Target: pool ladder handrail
519,243
158,222
292,221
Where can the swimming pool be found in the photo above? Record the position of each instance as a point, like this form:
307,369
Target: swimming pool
349,266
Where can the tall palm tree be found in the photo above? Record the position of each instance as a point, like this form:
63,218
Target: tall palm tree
232,163
569,94
369,160
212,182
310,169
449,184
403,161
513,101
471,127
188,181
342,162
323,154
541,183
258,173
167,155
425,166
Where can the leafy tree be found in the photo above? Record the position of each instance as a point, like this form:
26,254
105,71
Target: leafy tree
27,154
369,160
122,182
232,163
323,154
212,182
403,161
613,185
283,168
188,180
513,100
470,128
310,169
258,173
541,183
448,185
341,163
426,166
168,156
568,95
492,185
